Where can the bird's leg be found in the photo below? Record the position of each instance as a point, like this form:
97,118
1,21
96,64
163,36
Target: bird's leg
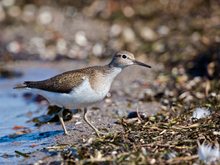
98,133
60,115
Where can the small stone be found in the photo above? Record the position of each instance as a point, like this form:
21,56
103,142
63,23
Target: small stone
78,123
148,34
213,94
14,11
128,11
98,49
158,47
144,151
14,47
114,152
37,45
163,30
134,114
165,102
50,53
8,3
2,14
61,46
196,37
45,17
199,113
142,141
80,38
108,100
29,13
152,118
128,35
152,161
115,30
121,112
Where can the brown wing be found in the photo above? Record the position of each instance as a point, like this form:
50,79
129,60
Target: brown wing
62,83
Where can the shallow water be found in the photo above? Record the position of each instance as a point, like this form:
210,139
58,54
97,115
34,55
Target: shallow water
16,111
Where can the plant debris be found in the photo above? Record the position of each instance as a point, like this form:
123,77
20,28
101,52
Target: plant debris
167,139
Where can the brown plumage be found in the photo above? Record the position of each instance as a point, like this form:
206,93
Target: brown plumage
65,82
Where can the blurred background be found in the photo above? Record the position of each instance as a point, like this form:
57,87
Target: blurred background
164,30
38,39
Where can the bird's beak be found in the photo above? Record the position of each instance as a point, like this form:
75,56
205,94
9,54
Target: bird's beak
141,64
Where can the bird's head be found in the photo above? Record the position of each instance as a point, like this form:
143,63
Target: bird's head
123,59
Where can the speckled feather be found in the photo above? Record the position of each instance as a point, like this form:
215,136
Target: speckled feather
67,81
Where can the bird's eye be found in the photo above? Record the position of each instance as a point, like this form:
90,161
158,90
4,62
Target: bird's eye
124,56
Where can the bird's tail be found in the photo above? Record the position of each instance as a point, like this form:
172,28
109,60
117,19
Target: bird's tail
21,86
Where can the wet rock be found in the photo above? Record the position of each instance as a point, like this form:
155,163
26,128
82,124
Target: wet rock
52,116
134,114
69,153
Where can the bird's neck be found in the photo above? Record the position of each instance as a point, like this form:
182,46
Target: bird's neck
103,80
113,71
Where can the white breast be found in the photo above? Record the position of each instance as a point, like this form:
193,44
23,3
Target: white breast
81,96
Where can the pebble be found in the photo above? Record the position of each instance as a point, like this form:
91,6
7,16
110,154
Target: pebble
14,11
128,11
78,123
163,30
199,113
148,34
158,47
2,14
61,46
120,112
114,153
98,49
115,30
195,37
29,13
14,47
128,34
134,114
45,16
7,3
80,38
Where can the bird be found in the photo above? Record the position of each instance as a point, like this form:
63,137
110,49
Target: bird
82,87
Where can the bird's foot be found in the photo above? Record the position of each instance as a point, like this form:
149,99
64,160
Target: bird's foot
66,132
100,134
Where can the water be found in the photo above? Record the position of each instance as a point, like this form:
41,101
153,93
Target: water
15,110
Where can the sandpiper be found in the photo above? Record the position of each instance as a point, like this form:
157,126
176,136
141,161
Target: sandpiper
83,87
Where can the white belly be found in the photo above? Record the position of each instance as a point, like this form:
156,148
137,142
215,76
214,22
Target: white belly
81,96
